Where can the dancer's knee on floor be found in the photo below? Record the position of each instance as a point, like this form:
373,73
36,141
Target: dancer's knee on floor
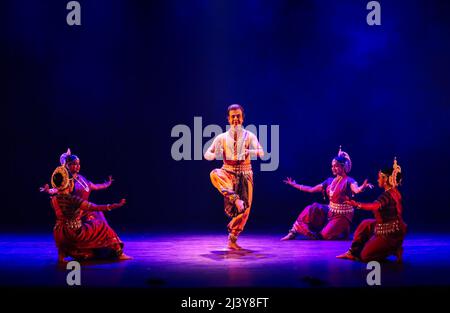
329,235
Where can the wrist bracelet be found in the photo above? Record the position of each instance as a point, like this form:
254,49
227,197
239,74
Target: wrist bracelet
108,207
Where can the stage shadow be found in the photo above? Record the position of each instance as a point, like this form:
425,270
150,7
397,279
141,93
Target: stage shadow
219,255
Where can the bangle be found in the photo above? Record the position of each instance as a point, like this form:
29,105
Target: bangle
108,207
358,205
300,187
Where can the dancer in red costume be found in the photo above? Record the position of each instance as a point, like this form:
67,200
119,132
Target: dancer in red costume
332,221
376,239
74,237
82,186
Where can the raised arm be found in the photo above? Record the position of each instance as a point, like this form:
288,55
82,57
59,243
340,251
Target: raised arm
104,185
289,181
89,206
358,189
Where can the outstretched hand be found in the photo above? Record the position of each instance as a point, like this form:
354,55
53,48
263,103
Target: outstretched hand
119,205
289,181
366,184
45,188
109,181
122,203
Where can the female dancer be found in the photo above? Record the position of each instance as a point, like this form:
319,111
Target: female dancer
74,237
332,221
376,239
82,186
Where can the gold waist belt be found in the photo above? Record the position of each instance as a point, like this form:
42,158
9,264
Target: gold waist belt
340,208
387,228
72,224
240,168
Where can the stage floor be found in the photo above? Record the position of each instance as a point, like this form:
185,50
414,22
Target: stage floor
201,260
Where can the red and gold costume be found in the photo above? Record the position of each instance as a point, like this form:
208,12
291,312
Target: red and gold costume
82,239
330,221
77,237
376,239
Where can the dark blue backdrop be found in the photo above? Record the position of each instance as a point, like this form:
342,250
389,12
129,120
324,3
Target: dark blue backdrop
113,88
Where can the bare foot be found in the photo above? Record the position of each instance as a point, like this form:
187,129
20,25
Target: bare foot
233,246
240,205
347,255
289,236
124,256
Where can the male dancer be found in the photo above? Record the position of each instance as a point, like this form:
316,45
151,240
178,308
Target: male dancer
235,179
